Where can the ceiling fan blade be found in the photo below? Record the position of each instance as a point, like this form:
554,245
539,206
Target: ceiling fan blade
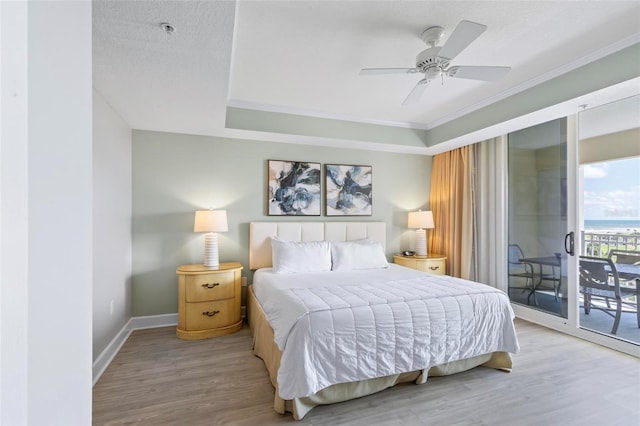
479,73
416,93
378,71
462,36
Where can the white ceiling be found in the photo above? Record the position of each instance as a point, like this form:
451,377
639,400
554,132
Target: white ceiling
303,57
157,81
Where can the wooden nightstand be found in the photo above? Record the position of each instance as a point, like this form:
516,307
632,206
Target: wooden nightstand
209,301
433,263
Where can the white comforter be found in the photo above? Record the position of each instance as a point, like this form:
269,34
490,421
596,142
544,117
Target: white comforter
336,327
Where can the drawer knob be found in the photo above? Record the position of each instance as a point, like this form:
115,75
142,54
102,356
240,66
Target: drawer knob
211,285
434,268
210,313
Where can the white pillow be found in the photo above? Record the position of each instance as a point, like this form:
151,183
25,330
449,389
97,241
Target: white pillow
288,257
363,254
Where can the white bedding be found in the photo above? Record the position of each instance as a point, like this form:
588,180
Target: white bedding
336,327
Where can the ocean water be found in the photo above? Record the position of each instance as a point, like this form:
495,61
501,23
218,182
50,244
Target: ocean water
622,225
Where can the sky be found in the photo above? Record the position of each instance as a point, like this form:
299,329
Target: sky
612,190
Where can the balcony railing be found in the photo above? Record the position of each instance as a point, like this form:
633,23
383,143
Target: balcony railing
599,244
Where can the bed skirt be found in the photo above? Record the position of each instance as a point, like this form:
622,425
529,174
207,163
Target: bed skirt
265,348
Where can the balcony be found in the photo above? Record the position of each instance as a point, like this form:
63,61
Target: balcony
600,243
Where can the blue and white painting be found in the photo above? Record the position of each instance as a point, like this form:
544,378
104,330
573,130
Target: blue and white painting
294,188
348,190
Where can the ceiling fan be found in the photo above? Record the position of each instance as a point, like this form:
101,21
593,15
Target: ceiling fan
434,61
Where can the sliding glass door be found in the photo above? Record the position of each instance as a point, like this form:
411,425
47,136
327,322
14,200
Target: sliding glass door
537,218
573,191
609,219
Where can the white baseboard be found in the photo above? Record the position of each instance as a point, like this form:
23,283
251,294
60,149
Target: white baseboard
135,323
104,359
154,321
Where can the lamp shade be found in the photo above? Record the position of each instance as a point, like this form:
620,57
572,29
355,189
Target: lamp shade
421,220
211,221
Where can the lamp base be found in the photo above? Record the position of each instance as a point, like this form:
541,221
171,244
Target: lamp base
211,250
421,242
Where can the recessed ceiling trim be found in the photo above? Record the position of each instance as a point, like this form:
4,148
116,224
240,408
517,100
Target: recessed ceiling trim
252,135
318,114
549,75
594,56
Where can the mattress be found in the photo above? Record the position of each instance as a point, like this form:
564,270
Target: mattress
345,327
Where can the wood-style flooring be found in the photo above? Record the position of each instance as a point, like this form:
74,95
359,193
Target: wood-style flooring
157,379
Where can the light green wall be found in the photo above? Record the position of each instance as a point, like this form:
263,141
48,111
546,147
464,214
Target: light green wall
276,122
176,174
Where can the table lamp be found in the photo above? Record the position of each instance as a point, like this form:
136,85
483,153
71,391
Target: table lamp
421,220
211,222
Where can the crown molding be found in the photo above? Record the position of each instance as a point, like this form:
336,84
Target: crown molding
321,141
252,135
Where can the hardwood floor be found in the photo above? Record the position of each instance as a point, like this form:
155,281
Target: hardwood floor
157,379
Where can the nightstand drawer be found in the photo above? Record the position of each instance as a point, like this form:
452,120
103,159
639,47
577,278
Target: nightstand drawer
432,266
209,300
208,315
200,288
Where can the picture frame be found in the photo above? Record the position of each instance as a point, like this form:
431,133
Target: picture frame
348,190
293,188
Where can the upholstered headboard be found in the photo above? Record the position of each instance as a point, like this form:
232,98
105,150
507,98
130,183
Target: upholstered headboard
260,234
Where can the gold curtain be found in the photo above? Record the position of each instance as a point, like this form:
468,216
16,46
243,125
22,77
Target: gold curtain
450,200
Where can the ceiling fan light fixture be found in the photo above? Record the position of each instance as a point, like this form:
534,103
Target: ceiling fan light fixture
433,72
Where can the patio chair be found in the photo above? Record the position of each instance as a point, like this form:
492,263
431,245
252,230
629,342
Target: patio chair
627,257
599,281
518,269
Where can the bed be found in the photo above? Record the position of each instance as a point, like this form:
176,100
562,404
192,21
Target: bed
333,320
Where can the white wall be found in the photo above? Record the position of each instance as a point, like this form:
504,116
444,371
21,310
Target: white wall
14,133
46,242
111,223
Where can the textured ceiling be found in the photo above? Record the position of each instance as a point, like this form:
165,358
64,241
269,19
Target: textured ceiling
157,81
303,57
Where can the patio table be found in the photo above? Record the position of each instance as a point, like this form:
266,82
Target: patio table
554,262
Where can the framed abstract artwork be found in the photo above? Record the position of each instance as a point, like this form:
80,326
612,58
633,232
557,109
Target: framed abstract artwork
293,188
348,190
